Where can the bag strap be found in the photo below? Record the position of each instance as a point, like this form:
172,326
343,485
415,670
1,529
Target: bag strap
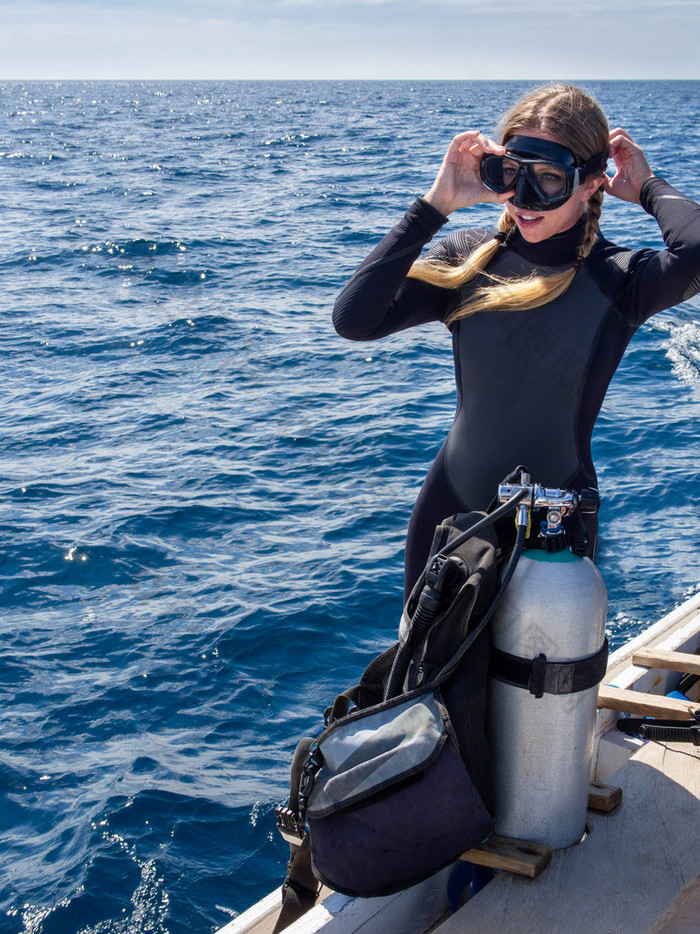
341,705
301,888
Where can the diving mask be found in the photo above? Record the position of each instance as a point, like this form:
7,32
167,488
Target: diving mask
543,174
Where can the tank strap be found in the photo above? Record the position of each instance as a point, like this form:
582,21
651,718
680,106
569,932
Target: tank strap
542,677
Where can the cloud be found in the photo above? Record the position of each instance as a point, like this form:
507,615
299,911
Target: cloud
414,39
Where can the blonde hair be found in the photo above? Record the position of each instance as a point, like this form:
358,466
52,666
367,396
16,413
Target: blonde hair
574,119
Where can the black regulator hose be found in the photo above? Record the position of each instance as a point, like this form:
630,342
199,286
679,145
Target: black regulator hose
507,573
440,579
443,577
491,609
484,523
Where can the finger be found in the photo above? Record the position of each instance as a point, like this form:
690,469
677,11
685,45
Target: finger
621,154
468,136
484,144
491,197
618,140
622,142
619,134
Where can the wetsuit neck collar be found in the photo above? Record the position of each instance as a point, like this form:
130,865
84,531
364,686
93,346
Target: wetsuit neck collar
559,250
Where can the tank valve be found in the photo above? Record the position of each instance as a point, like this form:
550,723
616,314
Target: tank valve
552,533
558,504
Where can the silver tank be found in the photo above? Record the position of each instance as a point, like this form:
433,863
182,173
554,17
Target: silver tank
542,747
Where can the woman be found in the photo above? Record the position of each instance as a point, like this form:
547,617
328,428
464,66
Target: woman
541,309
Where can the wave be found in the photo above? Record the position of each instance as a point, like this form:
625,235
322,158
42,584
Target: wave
683,350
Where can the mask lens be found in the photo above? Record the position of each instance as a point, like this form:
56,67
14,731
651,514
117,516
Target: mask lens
509,169
499,173
543,186
551,180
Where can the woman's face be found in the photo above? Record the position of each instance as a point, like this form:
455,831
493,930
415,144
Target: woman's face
536,226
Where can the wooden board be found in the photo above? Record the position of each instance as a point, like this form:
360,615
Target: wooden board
671,661
603,797
519,856
625,876
645,705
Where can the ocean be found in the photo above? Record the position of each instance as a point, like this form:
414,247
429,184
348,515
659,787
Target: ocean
205,491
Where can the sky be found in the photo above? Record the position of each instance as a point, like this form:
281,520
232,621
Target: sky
348,39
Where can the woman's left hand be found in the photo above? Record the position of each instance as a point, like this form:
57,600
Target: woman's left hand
632,168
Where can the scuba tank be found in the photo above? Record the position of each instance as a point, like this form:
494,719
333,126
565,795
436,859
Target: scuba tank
549,653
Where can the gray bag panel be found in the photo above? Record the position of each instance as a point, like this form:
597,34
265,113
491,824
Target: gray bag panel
363,756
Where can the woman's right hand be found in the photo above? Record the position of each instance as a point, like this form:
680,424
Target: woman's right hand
458,183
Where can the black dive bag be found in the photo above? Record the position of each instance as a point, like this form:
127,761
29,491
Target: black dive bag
398,785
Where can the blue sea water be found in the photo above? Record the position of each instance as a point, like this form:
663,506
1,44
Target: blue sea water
205,491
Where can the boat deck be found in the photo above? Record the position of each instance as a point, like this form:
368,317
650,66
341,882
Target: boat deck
626,876
636,872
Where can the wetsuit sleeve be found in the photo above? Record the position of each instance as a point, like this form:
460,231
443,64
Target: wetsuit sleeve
379,299
660,279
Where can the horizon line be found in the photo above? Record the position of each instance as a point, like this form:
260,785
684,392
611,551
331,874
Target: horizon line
354,80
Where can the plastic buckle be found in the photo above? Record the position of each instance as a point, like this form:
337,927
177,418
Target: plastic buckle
538,675
289,825
313,763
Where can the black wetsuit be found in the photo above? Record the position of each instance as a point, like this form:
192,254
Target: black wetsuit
530,384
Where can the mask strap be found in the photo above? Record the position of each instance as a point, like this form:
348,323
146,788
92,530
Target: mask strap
596,164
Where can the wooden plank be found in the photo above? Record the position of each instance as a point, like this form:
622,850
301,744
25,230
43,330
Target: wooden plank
679,631
604,798
671,661
645,705
519,856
